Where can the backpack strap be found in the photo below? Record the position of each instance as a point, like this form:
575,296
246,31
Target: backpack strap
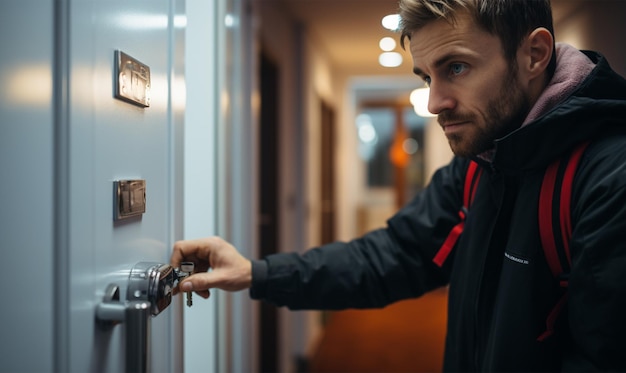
472,176
555,224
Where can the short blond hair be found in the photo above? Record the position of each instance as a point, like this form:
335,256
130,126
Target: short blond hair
510,20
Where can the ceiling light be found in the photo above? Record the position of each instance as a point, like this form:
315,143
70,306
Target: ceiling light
390,59
391,22
410,146
419,100
387,44
367,134
230,21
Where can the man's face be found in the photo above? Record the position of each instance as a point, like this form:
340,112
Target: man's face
474,90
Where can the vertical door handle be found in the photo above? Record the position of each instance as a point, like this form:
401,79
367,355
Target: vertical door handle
137,336
149,292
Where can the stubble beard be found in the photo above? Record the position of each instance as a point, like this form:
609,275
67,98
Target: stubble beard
504,114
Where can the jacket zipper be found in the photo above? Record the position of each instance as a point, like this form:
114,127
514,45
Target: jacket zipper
479,294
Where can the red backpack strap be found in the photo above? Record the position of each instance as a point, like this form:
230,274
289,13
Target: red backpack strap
555,223
472,176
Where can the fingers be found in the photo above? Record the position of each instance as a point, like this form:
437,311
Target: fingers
203,293
200,283
197,251
184,251
229,270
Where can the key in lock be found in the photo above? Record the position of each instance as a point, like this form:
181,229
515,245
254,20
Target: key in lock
185,270
152,282
149,285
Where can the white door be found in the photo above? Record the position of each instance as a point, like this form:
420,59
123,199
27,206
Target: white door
26,186
69,140
111,140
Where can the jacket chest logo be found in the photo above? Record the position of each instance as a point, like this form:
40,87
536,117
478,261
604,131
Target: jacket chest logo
516,259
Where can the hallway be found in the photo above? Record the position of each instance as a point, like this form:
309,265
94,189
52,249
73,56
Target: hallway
404,337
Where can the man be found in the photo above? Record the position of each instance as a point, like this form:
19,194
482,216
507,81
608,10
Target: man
509,99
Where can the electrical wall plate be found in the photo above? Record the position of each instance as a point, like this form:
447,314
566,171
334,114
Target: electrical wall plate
129,198
132,80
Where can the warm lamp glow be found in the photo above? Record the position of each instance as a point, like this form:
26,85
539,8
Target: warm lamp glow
387,44
390,59
391,22
419,100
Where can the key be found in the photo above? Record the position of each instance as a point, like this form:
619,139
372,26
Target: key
188,268
185,270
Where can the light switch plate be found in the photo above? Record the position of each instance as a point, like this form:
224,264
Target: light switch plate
129,198
132,80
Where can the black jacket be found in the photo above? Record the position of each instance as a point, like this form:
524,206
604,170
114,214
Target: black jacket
500,287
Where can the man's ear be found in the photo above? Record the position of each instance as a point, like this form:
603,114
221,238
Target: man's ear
538,49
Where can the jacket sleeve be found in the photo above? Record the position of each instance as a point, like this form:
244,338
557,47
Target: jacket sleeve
597,283
376,269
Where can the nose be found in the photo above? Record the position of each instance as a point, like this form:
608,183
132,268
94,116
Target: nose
440,98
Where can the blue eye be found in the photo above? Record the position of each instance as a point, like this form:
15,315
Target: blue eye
457,68
427,80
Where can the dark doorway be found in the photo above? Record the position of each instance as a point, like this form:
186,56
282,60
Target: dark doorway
268,202
327,152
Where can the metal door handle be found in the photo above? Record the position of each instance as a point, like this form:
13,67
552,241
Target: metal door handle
137,336
149,292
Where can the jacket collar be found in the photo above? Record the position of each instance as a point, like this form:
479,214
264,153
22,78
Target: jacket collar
586,109
572,68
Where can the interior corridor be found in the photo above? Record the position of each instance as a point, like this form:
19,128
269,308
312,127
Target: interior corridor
407,336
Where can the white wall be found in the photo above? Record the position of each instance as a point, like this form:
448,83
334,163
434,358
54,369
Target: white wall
200,182
27,153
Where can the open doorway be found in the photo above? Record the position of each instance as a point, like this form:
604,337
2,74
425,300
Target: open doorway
269,219
327,155
392,147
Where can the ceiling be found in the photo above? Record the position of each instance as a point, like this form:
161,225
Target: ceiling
349,31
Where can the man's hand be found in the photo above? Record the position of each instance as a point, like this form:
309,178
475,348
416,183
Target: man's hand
229,270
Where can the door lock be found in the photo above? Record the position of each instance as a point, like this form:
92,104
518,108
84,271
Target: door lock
149,292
